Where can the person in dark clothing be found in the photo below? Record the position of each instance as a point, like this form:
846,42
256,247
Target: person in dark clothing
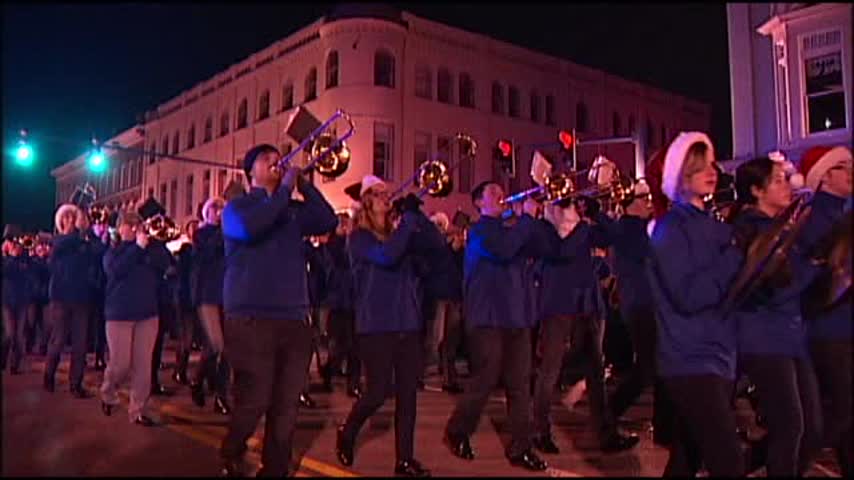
17,295
37,335
771,335
827,172
134,268
265,298
692,263
316,273
185,313
166,311
97,321
498,326
208,273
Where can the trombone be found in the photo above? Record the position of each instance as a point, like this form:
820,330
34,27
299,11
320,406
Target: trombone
329,155
434,177
162,228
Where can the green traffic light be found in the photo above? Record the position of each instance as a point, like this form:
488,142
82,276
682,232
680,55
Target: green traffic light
97,161
24,155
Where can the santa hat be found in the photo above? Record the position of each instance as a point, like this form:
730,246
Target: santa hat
369,182
818,160
796,180
675,157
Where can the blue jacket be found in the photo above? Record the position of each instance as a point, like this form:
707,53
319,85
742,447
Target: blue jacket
208,268
265,265
317,260
39,276
339,278
184,264
692,266
17,286
445,277
770,322
133,275
631,248
387,288
496,287
71,268
827,210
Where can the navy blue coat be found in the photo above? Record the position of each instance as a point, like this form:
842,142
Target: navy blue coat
497,289
184,264
387,287
133,275
771,323
339,277
39,276
71,268
317,261
208,268
265,265
631,248
692,266
827,209
445,276
17,286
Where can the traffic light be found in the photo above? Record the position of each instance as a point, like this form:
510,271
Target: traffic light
24,154
505,155
97,161
566,140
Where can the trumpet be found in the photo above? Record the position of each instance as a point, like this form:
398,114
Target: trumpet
162,228
99,214
27,242
329,155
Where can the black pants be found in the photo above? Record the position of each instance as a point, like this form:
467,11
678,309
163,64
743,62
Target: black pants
166,312
342,329
98,329
584,339
641,323
832,360
14,335
788,397
704,428
185,324
73,319
269,358
390,359
497,354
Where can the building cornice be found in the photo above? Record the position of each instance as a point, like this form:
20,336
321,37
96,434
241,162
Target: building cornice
774,23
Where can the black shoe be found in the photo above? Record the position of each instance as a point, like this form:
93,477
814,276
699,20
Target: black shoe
180,377
80,393
100,364
343,448
159,391
306,401
197,392
231,469
221,406
106,408
619,442
529,461
49,384
546,444
410,468
144,421
452,388
460,447
354,392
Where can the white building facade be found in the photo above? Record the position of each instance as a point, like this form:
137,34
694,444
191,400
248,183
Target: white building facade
410,85
791,77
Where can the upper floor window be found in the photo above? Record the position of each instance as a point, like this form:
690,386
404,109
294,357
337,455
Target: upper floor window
631,124
242,114
497,98
208,129
332,69
513,101
650,133
188,209
264,105
165,146
383,143
663,135
191,136
445,86
152,153
383,69
287,96
310,85
223,124
550,110
581,117
466,91
535,107
616,124
824,87
423,82
176,139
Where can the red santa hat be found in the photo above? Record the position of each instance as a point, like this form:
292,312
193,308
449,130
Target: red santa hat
675,157
818,160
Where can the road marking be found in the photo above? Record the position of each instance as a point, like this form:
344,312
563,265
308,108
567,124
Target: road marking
826,471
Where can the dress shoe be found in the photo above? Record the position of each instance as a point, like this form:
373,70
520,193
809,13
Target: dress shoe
48,384
343,448
106,408
452,388
354,392
143,421
100,364
460,447
410,468
529,461
306,401
180,377
221,406
619,442
197,392
160,391
546,444
231,469
80,393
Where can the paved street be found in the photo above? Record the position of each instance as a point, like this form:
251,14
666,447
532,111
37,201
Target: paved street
56,435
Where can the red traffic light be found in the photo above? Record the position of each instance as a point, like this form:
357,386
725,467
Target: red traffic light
505,147
565,139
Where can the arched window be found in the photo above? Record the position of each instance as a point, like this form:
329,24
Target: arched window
223,124
497,98
242,112
550,110
191,136
466,91
264,105
332,69
513,101
165,146
445,85
152,153
310,85
208,130
616,124
581,117
383,69
535,106
288,96
423,82
176,138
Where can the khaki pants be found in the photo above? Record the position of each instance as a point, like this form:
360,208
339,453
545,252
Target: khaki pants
131,345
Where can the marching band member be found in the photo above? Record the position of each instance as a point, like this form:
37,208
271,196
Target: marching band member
771,335
184,312
208,273
100,242
70,298
17,295
827,172
265,299
134,268
384,263
37,315
692,264
498,327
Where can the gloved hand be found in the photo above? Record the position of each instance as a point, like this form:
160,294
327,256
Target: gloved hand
411,203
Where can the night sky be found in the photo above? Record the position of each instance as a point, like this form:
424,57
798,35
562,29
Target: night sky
77,70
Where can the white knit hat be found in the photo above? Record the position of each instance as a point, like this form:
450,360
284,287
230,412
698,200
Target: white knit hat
675,158
209,203
369,182
63,210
